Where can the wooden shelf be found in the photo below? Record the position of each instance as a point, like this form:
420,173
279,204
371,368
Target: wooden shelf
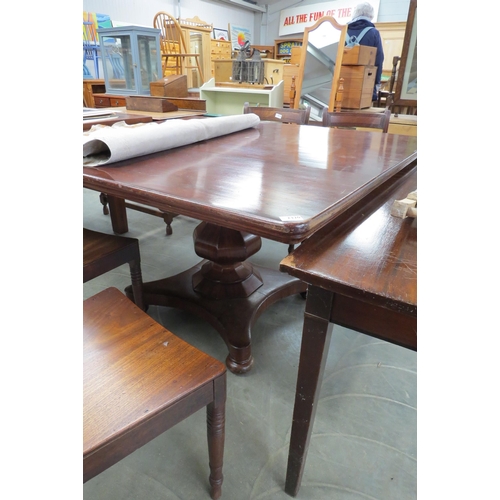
283,47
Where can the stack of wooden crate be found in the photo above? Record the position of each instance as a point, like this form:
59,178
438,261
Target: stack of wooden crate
358,71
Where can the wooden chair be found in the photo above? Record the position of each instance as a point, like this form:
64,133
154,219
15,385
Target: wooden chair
176,59
139,380
91,47
385,95
283,115
356,119
104,252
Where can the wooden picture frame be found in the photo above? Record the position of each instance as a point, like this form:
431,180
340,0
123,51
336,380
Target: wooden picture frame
406,84
220,34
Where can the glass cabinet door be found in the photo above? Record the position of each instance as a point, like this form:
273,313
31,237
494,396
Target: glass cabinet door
117,58
148,61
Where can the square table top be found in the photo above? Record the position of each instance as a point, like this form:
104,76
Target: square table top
278,181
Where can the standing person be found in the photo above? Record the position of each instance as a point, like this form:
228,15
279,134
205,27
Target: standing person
361,19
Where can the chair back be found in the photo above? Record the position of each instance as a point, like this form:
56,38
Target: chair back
283,115
89,34
171,39
357,119
90,46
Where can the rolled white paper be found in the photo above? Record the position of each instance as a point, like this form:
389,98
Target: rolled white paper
103,145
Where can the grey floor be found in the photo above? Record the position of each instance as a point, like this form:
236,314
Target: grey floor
364,443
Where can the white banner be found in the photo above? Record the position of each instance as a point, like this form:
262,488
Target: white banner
296,19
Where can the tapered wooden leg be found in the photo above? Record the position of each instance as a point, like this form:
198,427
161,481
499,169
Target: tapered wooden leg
316,335
216,421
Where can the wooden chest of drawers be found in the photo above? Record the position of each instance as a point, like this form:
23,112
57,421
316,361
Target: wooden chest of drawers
219,49
109,101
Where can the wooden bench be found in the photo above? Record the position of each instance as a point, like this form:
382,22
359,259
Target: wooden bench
362,275
139,380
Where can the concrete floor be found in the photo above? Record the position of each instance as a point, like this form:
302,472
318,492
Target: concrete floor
364,442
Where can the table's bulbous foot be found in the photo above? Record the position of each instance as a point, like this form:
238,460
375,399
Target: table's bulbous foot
239,368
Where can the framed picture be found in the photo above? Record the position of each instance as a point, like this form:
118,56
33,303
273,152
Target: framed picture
406,84
220,34
239,36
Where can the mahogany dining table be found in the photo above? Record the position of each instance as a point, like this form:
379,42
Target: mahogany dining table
278,181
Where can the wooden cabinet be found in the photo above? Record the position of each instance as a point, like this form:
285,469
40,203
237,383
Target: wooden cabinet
131,58
198,36
219,50
283,47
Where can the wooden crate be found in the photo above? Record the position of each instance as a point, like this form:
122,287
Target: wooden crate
358,86
359,55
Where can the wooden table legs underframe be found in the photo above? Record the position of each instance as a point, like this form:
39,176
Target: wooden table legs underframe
119,220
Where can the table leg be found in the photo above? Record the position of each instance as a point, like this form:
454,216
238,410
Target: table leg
118,214
224,289
316,335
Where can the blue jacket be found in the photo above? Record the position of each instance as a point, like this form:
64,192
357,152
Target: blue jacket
371,38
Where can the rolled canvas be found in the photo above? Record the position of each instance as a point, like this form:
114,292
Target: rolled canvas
103,145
